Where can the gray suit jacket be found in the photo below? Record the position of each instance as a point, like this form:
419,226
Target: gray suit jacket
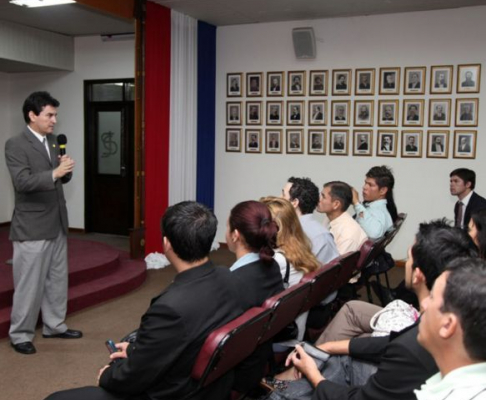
40,208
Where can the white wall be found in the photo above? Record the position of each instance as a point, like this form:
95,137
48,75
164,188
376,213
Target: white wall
94,59
5,131
399,40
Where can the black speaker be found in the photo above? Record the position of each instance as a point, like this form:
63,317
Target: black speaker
304,43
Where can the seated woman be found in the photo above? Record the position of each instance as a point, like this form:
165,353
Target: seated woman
378,212
251,234
477,231
293,247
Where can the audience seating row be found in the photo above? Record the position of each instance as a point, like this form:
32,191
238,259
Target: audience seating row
232,343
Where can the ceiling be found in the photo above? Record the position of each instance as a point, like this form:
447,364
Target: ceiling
79,20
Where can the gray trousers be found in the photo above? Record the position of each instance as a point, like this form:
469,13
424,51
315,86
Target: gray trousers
40,272
343,370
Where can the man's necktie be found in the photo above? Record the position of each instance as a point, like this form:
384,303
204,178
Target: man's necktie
460,213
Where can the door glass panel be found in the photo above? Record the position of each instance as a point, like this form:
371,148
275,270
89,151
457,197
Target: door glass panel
109,142
107,92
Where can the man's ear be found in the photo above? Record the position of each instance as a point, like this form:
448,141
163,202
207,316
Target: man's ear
32,116
468,185
295,203
448,325
166,243
235,235
418,277
383,191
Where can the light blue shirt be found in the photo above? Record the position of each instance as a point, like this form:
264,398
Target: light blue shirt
323,245
461,384
374,218
246,259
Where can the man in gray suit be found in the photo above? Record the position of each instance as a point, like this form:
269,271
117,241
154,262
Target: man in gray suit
39,226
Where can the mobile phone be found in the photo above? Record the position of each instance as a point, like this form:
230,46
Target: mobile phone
110,345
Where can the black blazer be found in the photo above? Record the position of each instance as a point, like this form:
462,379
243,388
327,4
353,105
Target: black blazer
172,332
404,365
476,203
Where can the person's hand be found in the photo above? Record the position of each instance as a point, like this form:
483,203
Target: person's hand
122,351
306,365
66,166
355,196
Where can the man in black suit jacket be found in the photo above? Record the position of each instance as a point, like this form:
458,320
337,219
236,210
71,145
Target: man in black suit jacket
201,298
462,183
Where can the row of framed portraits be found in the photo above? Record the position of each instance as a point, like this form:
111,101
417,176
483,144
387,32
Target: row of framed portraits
468,80
387,142
413,112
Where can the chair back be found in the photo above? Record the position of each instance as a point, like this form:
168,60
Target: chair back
285,307
349,267
369,250
323,283
230,344
396,227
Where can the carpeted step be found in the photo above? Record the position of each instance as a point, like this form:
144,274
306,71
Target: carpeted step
129,275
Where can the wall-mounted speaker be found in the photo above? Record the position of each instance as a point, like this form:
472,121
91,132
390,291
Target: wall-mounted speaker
304,43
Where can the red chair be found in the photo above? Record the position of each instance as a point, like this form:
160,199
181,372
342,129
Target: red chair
230,344
285,307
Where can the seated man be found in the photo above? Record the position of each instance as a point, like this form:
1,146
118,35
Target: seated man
304,196
453,330
388,367
378,211
201,298
335,200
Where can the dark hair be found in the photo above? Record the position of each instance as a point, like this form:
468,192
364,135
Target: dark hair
436,244
479,219
254,222
190,228
36,103
304,190
342,192
464,296
467,175
383,177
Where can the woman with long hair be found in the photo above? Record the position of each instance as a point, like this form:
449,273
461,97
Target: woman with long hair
251,235
477,231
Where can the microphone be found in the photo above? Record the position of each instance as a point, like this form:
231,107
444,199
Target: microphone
61,141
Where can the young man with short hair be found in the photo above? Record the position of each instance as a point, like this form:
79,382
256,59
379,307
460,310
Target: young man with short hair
462,183
453,330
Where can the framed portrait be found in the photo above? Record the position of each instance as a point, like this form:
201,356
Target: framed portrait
365,82
363,112
253,141
439,112
362,142
338,142
234,85
437,144
254,113
464,144
254,84
275,84
341,82
316,141
386,143
318,83
414,80
296,83
275,112
340,112
390,80
468,78
233,140
317,112
295,141
388,113
413,112
233,113
441,79
295,113
467,112
273,141
412,144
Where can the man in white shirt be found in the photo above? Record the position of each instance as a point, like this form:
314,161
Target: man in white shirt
462,183
453,330
335,199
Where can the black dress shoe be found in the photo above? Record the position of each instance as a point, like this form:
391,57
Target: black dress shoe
24,348
69,334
